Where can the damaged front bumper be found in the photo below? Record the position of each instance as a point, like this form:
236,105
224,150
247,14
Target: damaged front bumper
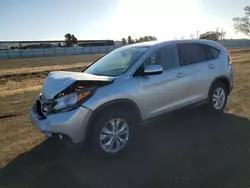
71,123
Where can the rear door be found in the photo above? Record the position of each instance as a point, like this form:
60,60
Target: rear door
196,62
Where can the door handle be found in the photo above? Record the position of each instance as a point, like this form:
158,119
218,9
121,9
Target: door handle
211,66
181,74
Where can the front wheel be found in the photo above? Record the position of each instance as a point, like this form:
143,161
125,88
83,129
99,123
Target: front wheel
218,97
113,132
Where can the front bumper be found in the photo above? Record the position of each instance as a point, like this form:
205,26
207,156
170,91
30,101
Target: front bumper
72,123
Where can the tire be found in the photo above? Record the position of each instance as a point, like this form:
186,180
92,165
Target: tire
103,127
217,104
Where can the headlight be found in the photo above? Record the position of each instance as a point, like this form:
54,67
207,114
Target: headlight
65,101
71,101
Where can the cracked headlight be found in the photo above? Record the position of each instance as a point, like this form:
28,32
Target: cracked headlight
71,101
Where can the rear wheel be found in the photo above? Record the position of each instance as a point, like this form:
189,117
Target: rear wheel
113,131
218,97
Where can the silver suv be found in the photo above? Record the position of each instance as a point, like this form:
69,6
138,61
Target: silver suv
104,103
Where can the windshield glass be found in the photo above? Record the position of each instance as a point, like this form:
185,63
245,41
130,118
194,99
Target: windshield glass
116,62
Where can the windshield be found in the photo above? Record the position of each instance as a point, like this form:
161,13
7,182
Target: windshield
116,62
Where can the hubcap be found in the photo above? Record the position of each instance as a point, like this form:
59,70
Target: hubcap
114,135
219,98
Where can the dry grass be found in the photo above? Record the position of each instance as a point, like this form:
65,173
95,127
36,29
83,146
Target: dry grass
18,71
47,61
34,65
17,139
15,86
18,91
239,102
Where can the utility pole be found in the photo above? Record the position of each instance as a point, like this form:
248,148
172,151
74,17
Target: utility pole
197,34
222,34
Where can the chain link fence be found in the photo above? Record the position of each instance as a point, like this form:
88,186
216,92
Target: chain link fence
28,49
28,53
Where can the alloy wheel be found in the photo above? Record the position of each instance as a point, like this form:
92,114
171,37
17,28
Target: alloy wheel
114,135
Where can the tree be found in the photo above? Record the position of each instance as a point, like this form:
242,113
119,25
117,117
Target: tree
211,35
129,40
70,40
242,24
151,38
141,39
146,38
124,41
74,39
221,34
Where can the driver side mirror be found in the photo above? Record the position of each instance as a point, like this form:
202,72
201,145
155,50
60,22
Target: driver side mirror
153,70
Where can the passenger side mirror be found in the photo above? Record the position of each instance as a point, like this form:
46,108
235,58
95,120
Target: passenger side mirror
153,70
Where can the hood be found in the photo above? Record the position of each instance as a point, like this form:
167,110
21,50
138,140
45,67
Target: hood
58,81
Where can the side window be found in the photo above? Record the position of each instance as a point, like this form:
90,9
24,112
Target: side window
212,52
166,56
191,53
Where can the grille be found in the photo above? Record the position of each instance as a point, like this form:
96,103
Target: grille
38,108
45,106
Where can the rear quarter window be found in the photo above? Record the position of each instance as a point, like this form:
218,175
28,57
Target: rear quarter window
212,52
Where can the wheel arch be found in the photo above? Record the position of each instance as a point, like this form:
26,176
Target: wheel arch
120,103
221,79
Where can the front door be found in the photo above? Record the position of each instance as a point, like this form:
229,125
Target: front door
163,92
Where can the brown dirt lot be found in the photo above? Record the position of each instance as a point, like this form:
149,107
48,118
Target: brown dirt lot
47,61
185,149
31,65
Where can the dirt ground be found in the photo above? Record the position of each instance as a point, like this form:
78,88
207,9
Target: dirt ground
188,148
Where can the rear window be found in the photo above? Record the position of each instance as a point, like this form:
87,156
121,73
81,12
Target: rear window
213,53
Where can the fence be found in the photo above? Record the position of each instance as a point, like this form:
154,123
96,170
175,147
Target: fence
57,51
235,43
46,52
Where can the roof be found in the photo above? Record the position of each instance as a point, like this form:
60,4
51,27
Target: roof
158,42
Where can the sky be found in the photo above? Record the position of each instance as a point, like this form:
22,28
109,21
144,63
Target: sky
115,19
